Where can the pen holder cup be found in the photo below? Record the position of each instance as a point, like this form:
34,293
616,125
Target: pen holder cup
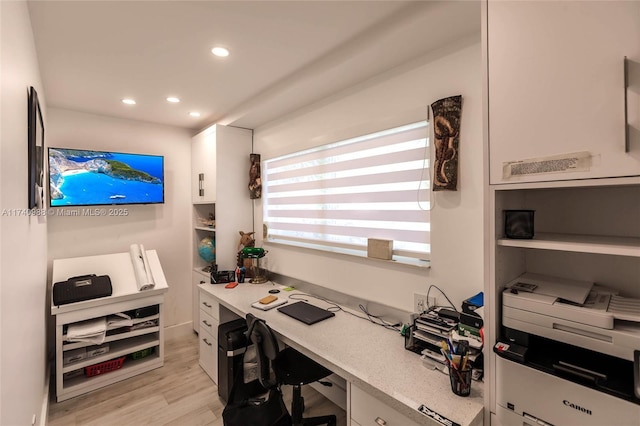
460,381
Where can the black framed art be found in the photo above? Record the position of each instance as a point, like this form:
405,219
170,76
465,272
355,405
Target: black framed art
35,151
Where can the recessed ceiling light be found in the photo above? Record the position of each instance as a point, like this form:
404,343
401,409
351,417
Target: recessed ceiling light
173,100
129,101
194,114
220,51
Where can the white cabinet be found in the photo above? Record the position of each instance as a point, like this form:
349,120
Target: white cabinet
140,344
588,230
220,177
367,410
556,89
218,158
196,279
208,334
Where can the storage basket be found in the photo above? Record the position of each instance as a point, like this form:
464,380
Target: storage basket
142,353
104,367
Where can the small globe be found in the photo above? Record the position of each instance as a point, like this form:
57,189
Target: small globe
207,249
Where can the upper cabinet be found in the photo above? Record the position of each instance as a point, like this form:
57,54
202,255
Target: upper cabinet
217,155
203,166
557,96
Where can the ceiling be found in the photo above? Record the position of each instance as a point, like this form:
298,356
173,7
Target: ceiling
284,54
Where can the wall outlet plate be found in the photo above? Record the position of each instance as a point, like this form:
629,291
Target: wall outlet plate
420,302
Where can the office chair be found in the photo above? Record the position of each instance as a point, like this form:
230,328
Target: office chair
289,366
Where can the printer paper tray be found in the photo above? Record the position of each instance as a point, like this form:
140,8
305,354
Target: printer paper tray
619,342
564,402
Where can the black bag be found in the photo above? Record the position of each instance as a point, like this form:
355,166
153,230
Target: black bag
84,287
246,407
256,411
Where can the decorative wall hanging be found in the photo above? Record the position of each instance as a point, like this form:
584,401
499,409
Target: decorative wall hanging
255,181
446,128
35,152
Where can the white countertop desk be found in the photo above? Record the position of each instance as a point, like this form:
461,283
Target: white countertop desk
369,356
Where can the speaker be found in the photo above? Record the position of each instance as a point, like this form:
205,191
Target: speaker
518,224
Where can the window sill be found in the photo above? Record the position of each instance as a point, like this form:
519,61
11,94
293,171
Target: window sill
362,254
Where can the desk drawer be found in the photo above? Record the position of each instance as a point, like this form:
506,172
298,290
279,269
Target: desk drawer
369,411
209,324
209,305
209,354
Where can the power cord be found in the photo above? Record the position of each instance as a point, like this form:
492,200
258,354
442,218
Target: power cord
431,308
374,319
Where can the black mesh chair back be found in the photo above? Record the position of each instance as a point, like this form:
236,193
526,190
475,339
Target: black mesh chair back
289,367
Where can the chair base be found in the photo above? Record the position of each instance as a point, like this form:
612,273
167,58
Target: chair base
297,408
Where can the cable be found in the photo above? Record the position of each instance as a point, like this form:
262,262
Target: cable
337,308
445,296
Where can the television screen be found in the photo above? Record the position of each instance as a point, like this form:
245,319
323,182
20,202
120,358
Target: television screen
85,178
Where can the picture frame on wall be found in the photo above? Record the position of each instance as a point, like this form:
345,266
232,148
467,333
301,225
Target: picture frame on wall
35,152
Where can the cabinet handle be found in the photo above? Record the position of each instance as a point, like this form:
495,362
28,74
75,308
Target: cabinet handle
201,282
206,341
626,105
380,421
206,323
206,304
201,184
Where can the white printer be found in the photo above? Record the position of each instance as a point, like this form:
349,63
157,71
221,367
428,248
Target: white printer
569,354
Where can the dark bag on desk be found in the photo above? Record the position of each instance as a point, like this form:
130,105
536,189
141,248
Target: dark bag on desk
77,289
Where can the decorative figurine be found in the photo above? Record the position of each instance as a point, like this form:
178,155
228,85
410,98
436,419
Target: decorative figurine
246,240
255,181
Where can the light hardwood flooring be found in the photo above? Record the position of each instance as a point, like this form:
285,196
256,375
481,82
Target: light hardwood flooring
180,393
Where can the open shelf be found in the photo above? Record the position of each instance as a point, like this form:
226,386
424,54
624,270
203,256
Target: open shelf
112,338
117,349
77,385
205,228
619,246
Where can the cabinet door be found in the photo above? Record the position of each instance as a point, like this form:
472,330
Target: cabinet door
203,166
556,87
196,279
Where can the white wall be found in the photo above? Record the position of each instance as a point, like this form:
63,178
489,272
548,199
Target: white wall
23,246
398,97
163,227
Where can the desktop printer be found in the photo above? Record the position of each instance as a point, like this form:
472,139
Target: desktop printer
577,347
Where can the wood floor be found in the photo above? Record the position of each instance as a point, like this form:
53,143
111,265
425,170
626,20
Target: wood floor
180,393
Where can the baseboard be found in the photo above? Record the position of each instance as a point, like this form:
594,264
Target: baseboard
178,330
44,411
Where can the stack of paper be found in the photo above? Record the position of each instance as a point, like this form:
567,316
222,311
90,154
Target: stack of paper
118,320
91,331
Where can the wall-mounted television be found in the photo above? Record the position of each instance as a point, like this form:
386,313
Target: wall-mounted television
88,178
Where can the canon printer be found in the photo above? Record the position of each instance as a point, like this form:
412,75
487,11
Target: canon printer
569,354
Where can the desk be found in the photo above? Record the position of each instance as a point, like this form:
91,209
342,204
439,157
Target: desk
125,296
370,358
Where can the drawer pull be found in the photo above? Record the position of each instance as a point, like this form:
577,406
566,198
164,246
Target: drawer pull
207,342
201,282
206,323
206,304
380,421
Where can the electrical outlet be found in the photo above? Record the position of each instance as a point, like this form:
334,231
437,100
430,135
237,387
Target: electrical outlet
419,302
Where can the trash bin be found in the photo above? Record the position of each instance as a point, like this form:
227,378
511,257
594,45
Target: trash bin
231,345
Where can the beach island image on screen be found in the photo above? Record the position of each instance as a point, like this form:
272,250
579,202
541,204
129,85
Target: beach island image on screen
82,178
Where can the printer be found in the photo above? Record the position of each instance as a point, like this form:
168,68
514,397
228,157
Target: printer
569,354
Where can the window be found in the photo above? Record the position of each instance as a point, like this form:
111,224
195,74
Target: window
335,196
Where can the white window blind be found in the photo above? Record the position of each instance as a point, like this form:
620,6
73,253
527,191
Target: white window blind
335,196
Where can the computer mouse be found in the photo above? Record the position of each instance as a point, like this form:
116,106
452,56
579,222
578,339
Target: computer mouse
274,291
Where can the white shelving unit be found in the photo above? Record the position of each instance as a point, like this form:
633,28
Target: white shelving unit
587,215
125,297
220,175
